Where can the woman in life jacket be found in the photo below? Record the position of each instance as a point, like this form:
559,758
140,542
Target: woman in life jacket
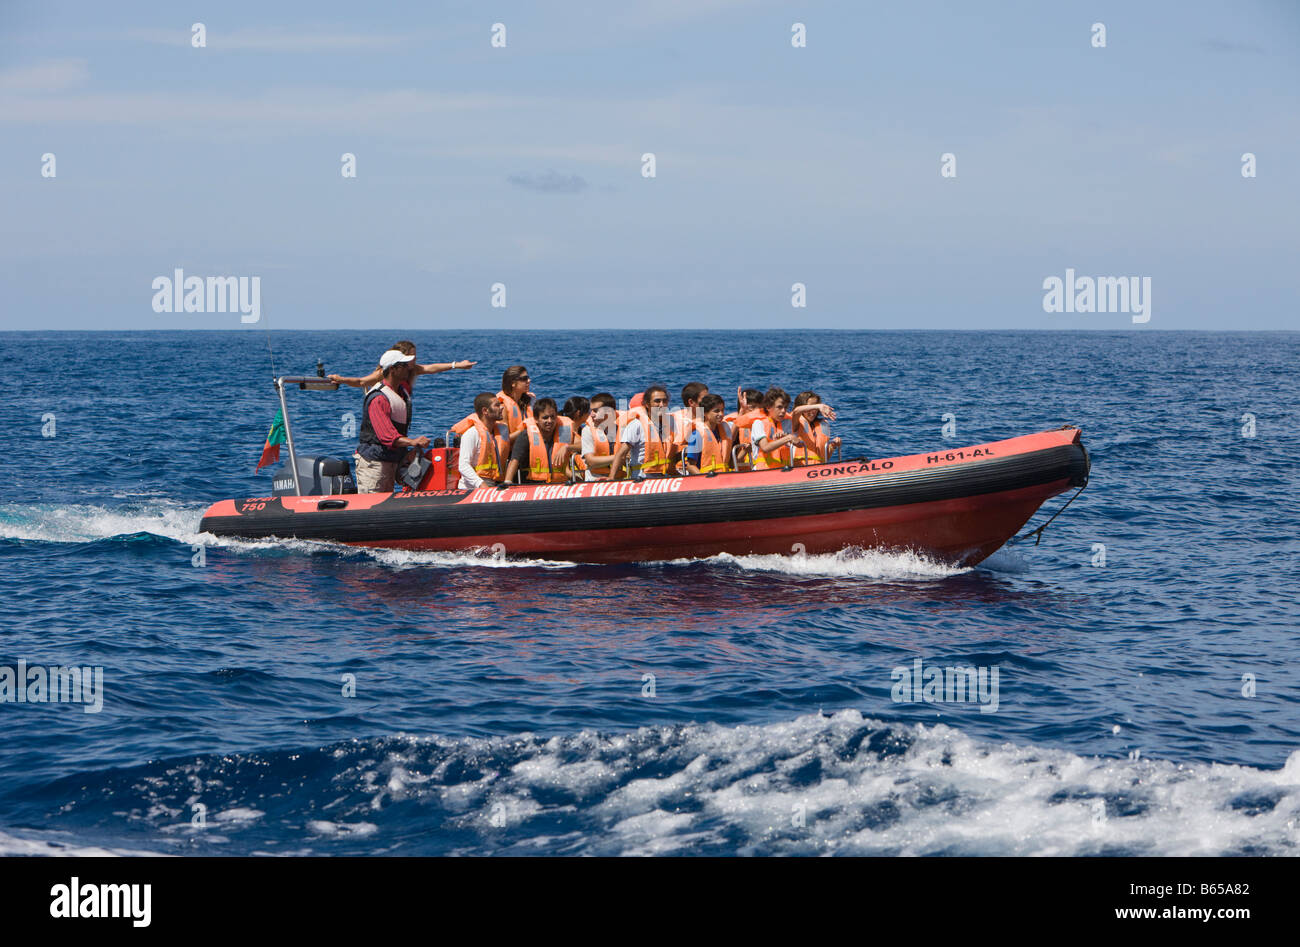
708,446
516,399
770,445
542,453
808,420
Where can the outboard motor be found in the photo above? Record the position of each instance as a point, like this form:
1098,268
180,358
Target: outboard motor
320,476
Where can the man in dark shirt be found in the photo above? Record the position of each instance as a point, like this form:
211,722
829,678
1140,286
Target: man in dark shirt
546,418
385,418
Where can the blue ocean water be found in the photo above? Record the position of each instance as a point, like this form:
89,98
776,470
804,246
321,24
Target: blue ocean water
1147,705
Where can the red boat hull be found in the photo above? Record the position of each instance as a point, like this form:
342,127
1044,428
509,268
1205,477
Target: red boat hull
954,506
963,531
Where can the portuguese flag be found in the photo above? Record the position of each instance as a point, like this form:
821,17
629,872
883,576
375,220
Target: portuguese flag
274,438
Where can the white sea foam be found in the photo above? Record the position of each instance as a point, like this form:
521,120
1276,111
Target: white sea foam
58,844
84,523
81,523
342,829
813,786
238,814
864,563
837,784
72,523
482,558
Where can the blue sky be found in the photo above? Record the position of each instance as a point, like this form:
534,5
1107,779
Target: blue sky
775,165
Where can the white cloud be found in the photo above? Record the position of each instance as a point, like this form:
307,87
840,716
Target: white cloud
318,107
49,76
273,40
652,13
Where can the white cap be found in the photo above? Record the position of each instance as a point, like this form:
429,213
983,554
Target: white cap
392,357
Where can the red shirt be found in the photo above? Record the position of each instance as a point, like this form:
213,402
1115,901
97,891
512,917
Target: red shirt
381,417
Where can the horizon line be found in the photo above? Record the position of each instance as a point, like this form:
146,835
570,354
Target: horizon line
1143,331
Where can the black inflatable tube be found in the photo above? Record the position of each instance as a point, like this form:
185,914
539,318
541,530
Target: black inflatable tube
442,516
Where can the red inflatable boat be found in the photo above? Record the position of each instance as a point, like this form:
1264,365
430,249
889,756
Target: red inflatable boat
956,506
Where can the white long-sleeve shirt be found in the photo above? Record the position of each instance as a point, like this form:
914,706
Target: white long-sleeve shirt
469,449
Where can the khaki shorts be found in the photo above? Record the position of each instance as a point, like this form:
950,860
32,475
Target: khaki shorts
375,476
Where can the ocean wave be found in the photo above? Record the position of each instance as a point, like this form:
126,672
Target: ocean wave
819,784
83,523
59,844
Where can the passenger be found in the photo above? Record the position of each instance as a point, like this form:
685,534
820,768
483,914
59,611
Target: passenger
625,416
690,411
750,410
542,453
769,446
485,447
406,347
747,400
807,420
509,380
575,411
650,436
708,448
573,416
385,419
516,399
600,460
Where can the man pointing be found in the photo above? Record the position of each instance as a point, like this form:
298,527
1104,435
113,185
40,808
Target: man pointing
385,419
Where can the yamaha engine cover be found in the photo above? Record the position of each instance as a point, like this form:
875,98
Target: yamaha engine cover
320,476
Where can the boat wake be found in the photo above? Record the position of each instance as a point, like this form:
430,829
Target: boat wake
1005,560
863,563
79,523
819,784
179,522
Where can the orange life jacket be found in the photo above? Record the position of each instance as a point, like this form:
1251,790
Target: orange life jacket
813,440
765,460
493,450
683,423
742,423
655,451
552,466
599,446
571,429
464,424
715,454
514,416
622,420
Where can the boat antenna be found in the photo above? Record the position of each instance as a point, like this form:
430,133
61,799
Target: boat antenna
268,348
